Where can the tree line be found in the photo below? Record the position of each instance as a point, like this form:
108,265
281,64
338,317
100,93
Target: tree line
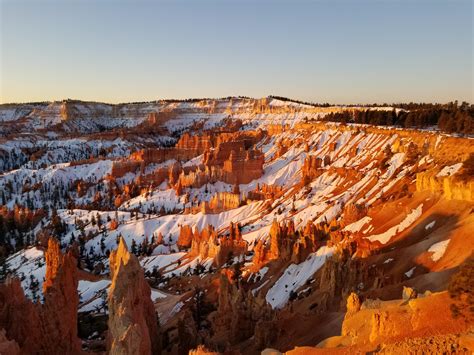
450,118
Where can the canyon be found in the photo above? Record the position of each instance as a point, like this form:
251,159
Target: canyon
231,225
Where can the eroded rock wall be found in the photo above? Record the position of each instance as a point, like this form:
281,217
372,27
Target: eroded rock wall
449,187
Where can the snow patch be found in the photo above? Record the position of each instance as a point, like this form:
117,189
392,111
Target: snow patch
357,226
296,276
438,249
410,272
407,222
430,225
450,170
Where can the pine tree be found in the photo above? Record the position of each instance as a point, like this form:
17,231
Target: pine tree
134,247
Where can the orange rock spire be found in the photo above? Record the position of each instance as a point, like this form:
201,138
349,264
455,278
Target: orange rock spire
133,324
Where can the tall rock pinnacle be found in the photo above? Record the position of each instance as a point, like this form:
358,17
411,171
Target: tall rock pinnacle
133,324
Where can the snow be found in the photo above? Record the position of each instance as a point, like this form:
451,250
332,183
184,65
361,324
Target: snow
188,266
160,261
168,225
410,272
407,222
262,272
438,249
56,175
449,170
194,161
296,276
316,205
430,225
28,264
259,233
166,199
177,307
88,289
157,295
389,260
286,170
358,225
92,294
255,290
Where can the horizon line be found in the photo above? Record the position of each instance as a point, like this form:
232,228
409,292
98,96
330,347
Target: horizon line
196,99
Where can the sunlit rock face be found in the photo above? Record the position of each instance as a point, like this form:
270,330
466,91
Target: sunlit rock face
133,324
207,244
449,187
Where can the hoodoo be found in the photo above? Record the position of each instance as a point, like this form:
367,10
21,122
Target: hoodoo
27,322
133,324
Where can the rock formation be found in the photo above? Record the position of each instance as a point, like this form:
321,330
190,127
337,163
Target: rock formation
59,313
220,202
8,347
28,323
449,186
243,166
185,238
288,244
423,325
133,323
265,192
353,212
408,293
122,167
310,169
207,244
347,172
202,350
341,275
227,157
353,304
387,321
241,314
20,317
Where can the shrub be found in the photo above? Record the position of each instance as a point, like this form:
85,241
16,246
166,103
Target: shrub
461,290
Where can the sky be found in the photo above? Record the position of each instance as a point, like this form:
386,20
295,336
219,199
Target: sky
353,51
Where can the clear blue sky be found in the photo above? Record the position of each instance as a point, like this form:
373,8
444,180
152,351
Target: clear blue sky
337,51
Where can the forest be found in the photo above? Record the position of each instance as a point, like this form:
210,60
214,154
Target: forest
450,118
